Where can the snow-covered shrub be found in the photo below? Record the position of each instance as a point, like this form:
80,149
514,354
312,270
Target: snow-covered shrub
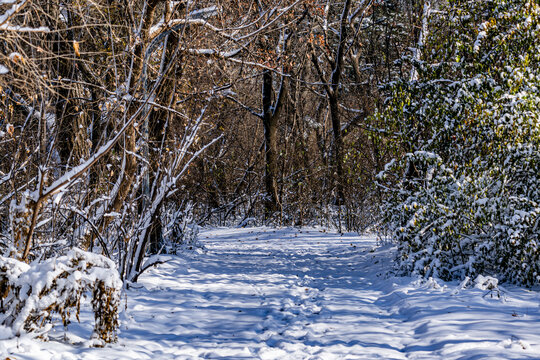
180,230
20,220
32,294
10,271
464,198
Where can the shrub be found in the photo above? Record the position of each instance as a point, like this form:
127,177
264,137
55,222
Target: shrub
463,200
31,294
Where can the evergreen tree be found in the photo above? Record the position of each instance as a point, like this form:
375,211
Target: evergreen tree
463,197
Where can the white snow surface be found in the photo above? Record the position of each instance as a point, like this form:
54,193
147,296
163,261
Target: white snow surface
263,293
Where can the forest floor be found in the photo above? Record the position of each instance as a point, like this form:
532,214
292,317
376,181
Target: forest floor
263,293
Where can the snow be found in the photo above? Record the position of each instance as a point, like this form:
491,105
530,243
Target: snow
478,42
43,285
263,293
8,14
17,28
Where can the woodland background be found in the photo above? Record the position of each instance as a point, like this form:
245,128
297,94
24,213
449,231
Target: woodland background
124,125
122,120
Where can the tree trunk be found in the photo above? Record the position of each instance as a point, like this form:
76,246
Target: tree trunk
156,133
129,172
337,159
271,202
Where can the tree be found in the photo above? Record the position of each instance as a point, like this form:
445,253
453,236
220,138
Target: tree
93,91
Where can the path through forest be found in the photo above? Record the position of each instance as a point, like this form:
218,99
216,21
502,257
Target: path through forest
262,293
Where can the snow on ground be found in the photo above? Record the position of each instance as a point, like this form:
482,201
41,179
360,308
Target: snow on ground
262,293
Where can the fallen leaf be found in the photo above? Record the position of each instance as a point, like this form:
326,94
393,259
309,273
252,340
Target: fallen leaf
76,48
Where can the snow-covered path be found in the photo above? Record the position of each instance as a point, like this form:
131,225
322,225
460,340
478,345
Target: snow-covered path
273,294
262,293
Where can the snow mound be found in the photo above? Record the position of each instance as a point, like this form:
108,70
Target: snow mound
31,294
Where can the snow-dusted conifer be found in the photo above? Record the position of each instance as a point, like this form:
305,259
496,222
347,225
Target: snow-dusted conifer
464,198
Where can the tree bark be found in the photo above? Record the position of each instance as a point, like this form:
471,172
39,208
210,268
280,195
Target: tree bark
156,133
337,159
269,118
129,172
